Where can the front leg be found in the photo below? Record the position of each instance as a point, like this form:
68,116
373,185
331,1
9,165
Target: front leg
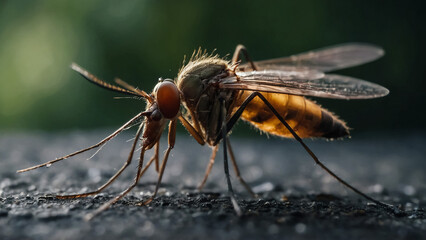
156,155
171,141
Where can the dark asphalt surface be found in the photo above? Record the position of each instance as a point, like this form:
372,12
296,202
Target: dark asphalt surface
298,199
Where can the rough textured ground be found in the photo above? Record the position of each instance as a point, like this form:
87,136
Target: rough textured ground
298,200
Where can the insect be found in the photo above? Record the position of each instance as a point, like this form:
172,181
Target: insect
210,94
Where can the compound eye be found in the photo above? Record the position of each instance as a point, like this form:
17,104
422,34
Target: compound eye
168,99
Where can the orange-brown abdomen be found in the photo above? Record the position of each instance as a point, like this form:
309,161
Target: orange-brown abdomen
306,118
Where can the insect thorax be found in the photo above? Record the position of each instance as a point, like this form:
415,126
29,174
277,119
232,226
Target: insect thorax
198,83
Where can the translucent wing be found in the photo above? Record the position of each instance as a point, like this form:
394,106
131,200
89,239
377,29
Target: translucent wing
324,59
326,86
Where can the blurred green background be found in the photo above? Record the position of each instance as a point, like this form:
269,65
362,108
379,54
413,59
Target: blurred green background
140,41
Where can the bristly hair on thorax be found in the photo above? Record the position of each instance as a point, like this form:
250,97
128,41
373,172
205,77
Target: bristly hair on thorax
199,57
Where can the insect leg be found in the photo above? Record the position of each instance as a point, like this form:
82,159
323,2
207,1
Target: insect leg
137,178
237,115
171,140
156,154
122,194
122,128
225,160
112,179
209,167
236,57
194,133
237,171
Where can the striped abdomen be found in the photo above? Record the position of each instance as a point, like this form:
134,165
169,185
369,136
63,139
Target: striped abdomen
306,118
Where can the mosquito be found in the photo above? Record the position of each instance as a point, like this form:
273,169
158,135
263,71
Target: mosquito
210,94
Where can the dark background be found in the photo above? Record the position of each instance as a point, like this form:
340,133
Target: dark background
140,41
